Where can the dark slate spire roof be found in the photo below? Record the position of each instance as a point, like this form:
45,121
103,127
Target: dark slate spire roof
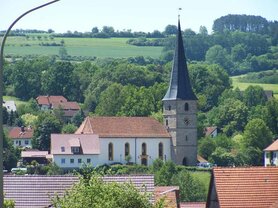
179,87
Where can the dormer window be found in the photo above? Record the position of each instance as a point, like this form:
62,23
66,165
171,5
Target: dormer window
62,149
75,150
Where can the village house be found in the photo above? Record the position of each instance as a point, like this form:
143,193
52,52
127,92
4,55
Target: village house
271,154
108,140
211,131
21,136
69,109
9,105
249,187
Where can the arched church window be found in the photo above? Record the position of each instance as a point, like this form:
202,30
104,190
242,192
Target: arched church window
144,149
127,152
186,107
160,150
110,151
169,107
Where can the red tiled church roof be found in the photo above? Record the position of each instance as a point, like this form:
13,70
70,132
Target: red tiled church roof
123,127
253,187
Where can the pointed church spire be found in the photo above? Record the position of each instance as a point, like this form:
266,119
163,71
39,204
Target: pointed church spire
179,87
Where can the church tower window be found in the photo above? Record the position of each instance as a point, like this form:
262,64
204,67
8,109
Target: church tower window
110,151
186,107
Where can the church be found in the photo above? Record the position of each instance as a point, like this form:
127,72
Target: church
138,140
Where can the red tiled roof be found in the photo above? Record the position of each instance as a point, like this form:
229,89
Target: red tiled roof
47,100
89,143
16,133
253,187
210,130
273,146
169,193
192,204
37,191
66,105
123,127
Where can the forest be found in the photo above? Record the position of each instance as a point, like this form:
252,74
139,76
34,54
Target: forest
135,86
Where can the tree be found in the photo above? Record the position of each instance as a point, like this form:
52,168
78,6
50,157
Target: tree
164,176
272,115
254,95
9,154
203,30
206,147
96,193
230,116
218,55
171,30
111,100
191,189
238,52
222,157
46,125
95,30
63,53
78,118
69,129
257,134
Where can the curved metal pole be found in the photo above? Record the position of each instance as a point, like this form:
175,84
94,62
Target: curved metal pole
1,94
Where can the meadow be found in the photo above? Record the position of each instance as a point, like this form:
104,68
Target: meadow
88,47
244,85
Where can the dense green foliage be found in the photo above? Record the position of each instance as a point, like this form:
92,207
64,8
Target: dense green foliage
268,77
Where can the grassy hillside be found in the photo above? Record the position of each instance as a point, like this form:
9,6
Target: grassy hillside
244,85
15,99
110,47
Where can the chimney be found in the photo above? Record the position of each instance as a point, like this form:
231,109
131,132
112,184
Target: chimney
22,128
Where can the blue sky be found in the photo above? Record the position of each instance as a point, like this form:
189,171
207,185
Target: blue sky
140,15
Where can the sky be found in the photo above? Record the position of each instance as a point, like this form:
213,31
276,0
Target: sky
140,15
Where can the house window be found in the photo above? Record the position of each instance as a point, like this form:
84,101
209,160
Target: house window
110,151
63,160
160,150
79,160
75,150
274,154
19,143
144,149
186,107
26,142
62,149
71,160
127,149
88,160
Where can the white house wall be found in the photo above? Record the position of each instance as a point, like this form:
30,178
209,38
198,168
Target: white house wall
135,145
21,143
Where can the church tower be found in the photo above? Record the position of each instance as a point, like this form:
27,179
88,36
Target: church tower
180,109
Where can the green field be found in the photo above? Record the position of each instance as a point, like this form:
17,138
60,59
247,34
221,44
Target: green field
244,85
90,47
16,100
